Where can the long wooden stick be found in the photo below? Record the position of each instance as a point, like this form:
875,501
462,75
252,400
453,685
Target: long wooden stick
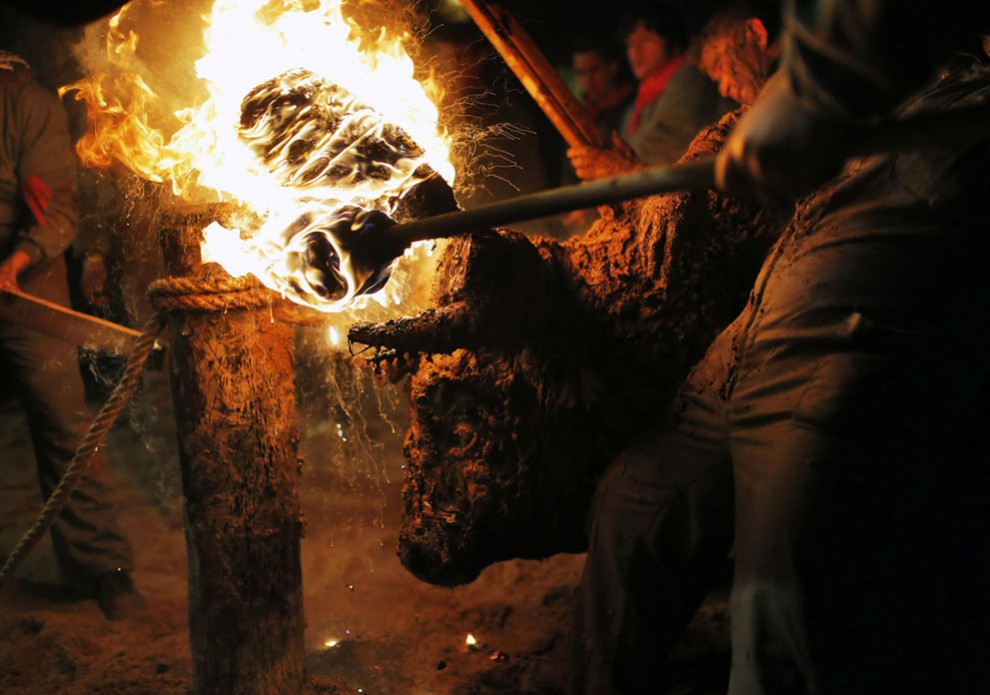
66,324
535,72
698,175
964,125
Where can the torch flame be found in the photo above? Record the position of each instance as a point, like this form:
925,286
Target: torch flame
133,142
305,113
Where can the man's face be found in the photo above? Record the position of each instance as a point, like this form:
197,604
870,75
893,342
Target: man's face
646,49
737,61
595,75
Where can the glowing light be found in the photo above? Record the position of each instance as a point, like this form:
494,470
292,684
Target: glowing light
305,113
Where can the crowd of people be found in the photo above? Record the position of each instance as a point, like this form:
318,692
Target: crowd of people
828,445
840,416
673,99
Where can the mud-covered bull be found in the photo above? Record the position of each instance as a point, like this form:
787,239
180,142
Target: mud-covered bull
541,360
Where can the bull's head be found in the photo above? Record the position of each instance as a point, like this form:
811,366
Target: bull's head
494,469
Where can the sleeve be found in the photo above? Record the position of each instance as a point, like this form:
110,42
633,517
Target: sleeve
46,169
857,58
690,103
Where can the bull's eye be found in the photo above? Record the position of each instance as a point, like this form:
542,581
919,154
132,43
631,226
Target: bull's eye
464,435
457,417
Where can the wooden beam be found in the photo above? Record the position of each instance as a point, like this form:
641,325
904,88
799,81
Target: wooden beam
232,385
537,75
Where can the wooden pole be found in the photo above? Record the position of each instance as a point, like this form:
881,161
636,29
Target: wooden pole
689,176
963,126
232,385
535,72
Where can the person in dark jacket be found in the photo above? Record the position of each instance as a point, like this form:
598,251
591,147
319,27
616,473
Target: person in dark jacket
830,441
845,63
37,224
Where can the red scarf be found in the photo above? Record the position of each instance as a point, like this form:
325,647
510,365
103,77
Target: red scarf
618,95
652,87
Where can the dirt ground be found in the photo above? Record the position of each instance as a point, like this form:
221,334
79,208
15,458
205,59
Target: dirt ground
390,633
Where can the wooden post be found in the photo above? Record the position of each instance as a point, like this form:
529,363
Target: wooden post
232,385
535,72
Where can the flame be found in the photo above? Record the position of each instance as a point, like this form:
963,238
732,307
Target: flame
304,115
134,141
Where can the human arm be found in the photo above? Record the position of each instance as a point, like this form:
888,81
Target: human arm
46,170
10,269
591,163
844,62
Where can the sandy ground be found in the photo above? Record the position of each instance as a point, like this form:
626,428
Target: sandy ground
391,633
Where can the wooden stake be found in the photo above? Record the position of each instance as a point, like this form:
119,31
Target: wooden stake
232,384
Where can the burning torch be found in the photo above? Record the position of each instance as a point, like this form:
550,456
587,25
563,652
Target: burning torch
368,242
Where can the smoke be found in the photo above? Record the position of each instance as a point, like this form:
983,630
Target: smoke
169,39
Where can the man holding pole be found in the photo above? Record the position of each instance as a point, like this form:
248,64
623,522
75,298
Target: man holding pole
37,223
841,414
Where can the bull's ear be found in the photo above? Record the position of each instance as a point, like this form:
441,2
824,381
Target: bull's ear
66,13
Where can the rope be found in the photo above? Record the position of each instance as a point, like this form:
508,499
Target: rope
225,293
209,294
91,442
204,293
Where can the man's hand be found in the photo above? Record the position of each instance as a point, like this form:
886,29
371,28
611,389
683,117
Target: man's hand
598,163
782,148
94,279
11,267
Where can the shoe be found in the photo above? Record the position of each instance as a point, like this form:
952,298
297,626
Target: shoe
116,594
